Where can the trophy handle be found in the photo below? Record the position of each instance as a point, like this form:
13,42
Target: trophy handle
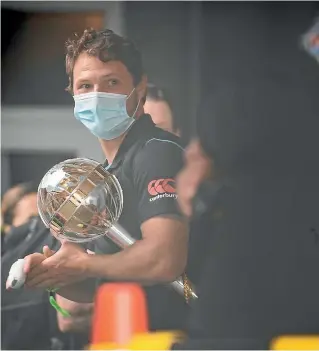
122,238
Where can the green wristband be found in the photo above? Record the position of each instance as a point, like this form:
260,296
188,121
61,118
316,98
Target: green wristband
55,305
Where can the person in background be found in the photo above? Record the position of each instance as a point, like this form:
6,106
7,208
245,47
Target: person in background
159,107
26,314
9,199
25,209
78,325
19,206
259,276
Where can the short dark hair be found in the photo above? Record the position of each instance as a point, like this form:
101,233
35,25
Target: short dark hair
107,46
155,93
158,94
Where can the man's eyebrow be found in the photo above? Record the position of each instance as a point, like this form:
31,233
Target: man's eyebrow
104,76
109,75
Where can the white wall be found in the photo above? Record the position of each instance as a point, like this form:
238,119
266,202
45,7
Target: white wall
36,128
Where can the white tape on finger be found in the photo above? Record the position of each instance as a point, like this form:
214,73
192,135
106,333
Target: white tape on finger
16,277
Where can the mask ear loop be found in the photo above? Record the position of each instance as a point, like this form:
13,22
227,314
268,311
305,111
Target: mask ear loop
138,104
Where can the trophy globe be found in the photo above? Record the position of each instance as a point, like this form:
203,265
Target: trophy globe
79,200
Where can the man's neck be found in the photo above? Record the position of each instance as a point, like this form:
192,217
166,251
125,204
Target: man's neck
111,147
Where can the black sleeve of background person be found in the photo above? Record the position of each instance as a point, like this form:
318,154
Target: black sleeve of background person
157,160
258,280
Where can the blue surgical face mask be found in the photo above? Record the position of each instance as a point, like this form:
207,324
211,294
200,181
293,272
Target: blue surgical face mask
104,114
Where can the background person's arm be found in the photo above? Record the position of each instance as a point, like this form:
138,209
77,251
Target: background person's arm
82,292
80,319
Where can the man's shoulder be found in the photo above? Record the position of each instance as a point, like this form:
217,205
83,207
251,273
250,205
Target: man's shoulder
162,141
153,150
159,150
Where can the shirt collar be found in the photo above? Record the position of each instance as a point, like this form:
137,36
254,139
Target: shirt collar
141,128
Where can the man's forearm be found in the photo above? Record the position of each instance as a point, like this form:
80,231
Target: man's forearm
81,315
82,292
138,262
75,324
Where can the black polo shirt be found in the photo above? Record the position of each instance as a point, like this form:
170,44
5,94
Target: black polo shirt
146,165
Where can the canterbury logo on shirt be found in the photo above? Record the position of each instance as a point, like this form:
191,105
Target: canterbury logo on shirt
161,186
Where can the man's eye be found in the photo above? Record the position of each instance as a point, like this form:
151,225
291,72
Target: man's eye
112,82
85,86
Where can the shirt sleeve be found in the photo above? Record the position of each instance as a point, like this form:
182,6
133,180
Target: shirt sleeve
154,172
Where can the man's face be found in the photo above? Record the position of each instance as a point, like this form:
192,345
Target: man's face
92,75
25,209
161,114
10,197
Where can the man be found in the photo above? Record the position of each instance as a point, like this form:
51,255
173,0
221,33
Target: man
108,84
9,200
19,206
25,209
158,106
259,279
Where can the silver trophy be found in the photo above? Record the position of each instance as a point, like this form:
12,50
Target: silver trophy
80,201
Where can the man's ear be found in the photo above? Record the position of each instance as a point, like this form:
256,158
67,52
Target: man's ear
141,89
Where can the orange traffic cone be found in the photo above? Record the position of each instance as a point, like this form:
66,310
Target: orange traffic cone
120,312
